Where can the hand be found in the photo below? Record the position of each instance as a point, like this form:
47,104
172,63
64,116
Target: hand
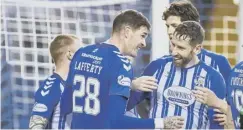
205,96
145,84
173,122
220,117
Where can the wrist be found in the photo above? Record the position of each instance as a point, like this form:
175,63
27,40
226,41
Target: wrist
217,103
158,123
221,105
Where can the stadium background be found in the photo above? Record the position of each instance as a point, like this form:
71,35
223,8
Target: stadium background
27,27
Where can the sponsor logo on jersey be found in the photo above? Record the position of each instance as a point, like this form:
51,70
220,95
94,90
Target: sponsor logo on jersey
39,107
124,81
238,70
91,56
180,96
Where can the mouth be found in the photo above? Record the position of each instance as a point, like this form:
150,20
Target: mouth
177,59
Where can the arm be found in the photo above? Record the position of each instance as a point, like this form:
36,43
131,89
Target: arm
213,97
135,98
46,98
230,121
118,97
219,88
120,121
146,84
208,97
224,68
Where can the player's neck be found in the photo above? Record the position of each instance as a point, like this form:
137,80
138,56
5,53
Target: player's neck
62,70
116,41
193,62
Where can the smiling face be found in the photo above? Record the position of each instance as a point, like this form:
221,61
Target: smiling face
182,51
135,40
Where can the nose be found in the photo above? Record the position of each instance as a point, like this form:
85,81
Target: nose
143,43
174,51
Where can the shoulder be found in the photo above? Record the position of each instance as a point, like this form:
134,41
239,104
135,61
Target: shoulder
84,49
121,60
162,61
239,65
238,68
214,55
52,85
210,70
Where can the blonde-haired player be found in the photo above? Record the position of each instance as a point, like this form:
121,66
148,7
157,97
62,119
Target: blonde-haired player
46,110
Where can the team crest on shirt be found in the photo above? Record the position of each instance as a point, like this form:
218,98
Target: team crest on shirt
180,96
199,81
124,81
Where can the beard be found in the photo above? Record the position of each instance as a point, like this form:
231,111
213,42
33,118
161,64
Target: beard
181,61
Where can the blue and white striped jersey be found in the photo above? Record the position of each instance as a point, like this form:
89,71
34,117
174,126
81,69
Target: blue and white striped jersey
174,96
218,62
47,103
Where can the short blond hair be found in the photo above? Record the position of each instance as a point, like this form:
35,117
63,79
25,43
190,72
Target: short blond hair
60,44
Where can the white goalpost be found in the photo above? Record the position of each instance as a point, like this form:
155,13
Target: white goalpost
160,39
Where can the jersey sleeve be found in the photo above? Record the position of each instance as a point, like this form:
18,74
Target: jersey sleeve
137,96
46,98
121,80
219,88
218,85
224,68
120,121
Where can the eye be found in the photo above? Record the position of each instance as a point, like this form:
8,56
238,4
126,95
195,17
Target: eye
181,48
174,25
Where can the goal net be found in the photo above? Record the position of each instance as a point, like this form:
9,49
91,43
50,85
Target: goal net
28,26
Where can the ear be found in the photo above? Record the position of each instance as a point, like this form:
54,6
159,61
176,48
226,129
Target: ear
197,49
69,55
127,31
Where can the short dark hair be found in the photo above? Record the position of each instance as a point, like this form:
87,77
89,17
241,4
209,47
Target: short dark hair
192,30
184,9
132,18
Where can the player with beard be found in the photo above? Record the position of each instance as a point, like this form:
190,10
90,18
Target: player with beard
177,12
99,78
178,75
